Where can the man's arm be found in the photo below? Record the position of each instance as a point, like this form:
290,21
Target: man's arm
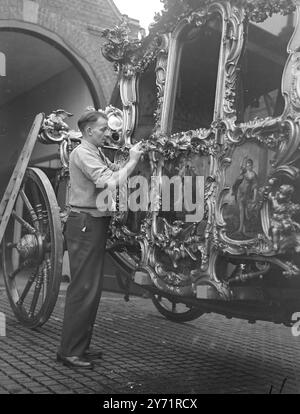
111,165
101,175
119,177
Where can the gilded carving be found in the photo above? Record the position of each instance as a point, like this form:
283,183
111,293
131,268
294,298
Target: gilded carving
54,127
251,209
295,84
283,228
220,113
257,10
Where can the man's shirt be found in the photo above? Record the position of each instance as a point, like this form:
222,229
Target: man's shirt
89,172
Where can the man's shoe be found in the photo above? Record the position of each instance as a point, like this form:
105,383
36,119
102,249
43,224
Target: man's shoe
93,354
74,362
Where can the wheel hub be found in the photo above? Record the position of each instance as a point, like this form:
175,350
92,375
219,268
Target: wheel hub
29,247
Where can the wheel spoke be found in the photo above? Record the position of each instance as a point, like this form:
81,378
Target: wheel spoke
11,245
27,288
46,224
24,223
30,209
37,290
37,204
46,274
13,274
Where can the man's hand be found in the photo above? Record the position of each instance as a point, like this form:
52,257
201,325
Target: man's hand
136,152
121,176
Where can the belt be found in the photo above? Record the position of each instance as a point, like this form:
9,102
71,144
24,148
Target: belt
89,208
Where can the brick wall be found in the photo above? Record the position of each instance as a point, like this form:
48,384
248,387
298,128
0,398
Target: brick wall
84,11
77,23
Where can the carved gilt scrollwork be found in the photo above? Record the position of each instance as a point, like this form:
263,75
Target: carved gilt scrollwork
54,128
234,43
291,75
161,69
252,167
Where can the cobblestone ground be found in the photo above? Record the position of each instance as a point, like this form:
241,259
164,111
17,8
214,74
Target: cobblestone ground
145,353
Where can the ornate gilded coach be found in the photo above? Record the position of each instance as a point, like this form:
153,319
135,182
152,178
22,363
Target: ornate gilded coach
192,90
213,91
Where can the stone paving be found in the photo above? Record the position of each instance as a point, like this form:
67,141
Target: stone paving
146,354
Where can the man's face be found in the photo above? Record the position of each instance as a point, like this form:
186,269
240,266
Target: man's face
99,132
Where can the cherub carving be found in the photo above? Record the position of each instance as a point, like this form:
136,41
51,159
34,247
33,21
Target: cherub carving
54,127
283,228
56,122
119,46
177,242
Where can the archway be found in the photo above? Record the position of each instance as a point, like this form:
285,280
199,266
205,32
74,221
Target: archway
42,74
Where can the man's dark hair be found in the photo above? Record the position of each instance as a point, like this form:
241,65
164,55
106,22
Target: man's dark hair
89,117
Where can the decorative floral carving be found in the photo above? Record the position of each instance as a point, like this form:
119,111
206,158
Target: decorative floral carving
271,132
129,55
257,10
260,10
284,230
119,48
179,243
295,84
234,39
54,128
171,278
161,69
167,248
199,141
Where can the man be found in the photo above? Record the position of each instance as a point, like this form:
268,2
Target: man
86,233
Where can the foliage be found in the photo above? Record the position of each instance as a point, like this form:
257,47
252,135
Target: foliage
257,10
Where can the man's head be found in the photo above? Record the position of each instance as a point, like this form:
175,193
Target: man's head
94,127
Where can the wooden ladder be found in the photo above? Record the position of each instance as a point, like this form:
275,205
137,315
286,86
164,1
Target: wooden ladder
13,187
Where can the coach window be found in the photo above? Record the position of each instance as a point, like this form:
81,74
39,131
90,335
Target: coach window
146,103
198,57
262,68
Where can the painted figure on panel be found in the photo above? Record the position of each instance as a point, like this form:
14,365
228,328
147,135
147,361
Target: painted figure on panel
245,192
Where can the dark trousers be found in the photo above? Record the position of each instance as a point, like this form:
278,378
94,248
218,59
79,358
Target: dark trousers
86,239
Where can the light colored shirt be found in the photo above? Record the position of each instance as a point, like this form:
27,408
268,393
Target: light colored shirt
89,169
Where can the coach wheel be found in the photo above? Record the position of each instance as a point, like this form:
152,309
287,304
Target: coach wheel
175,311
32,251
